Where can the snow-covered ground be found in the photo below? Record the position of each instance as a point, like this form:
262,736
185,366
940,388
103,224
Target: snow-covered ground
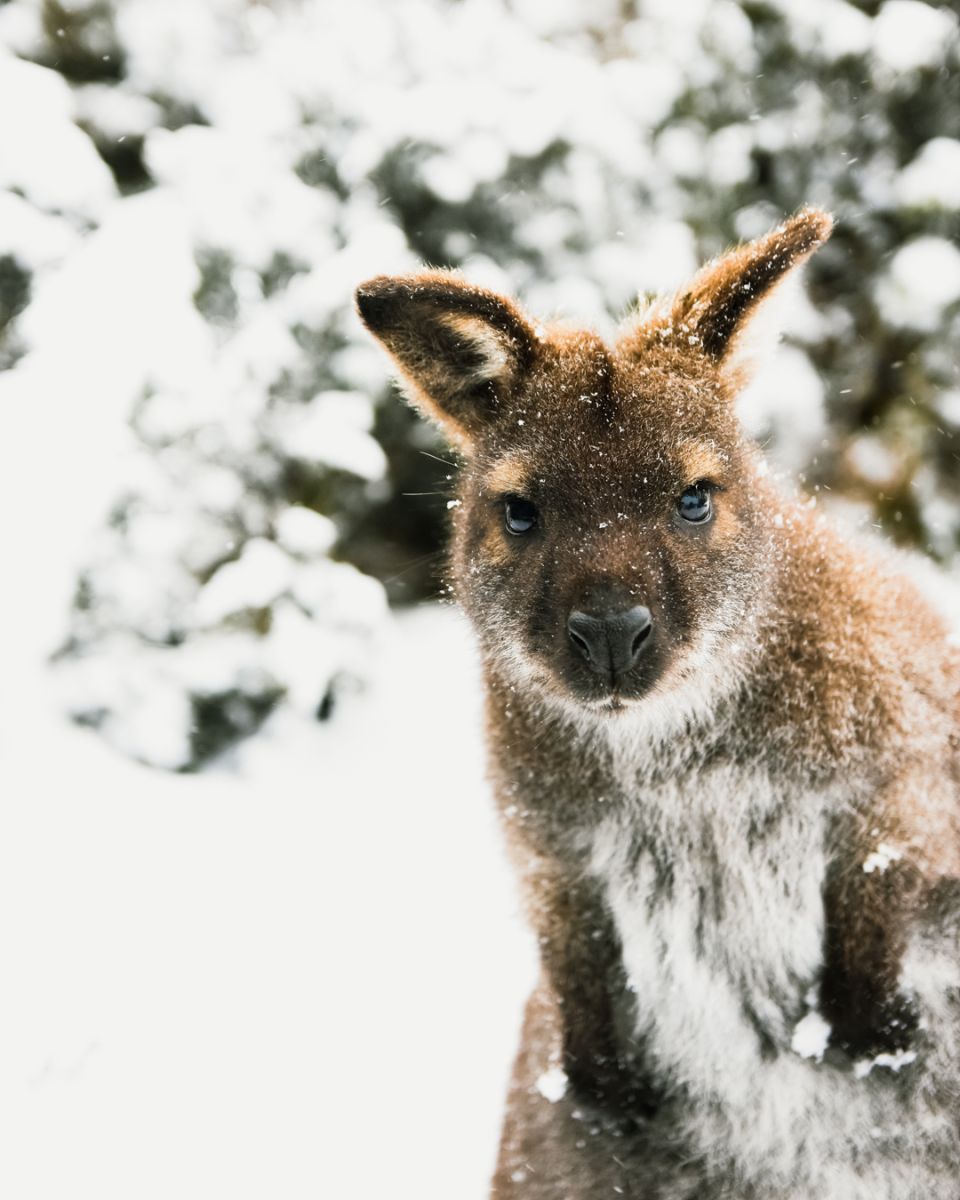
296,975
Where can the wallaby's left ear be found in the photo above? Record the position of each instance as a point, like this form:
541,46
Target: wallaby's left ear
727,293
461,350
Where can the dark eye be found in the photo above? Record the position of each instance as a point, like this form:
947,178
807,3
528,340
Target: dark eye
695,505
520,516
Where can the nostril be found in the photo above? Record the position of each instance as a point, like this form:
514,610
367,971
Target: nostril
580,643
640,638
580,627
636,626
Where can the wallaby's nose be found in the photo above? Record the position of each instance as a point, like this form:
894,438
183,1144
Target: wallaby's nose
611,643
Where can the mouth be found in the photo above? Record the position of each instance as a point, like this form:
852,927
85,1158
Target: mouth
609,694
613,695
613,703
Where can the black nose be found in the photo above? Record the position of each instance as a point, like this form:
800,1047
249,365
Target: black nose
611,643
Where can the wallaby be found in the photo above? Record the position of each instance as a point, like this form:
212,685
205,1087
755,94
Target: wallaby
725,743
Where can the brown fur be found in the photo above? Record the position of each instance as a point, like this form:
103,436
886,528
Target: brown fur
834,679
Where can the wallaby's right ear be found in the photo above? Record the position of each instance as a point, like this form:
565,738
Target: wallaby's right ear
461,350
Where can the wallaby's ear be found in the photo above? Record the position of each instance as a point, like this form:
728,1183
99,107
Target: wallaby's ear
726,294
461,350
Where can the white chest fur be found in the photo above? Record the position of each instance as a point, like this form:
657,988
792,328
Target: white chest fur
716,894
717,898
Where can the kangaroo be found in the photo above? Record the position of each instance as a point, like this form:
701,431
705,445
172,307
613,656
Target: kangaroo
725,745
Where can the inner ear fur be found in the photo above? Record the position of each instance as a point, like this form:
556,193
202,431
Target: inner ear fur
726,294
461,351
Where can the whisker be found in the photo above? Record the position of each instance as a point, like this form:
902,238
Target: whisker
416,562
436,458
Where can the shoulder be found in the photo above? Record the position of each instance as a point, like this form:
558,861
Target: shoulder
856,659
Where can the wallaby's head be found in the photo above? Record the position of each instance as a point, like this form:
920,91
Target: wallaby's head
614,528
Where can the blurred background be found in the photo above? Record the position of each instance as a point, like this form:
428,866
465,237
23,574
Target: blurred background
227,682
191,190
